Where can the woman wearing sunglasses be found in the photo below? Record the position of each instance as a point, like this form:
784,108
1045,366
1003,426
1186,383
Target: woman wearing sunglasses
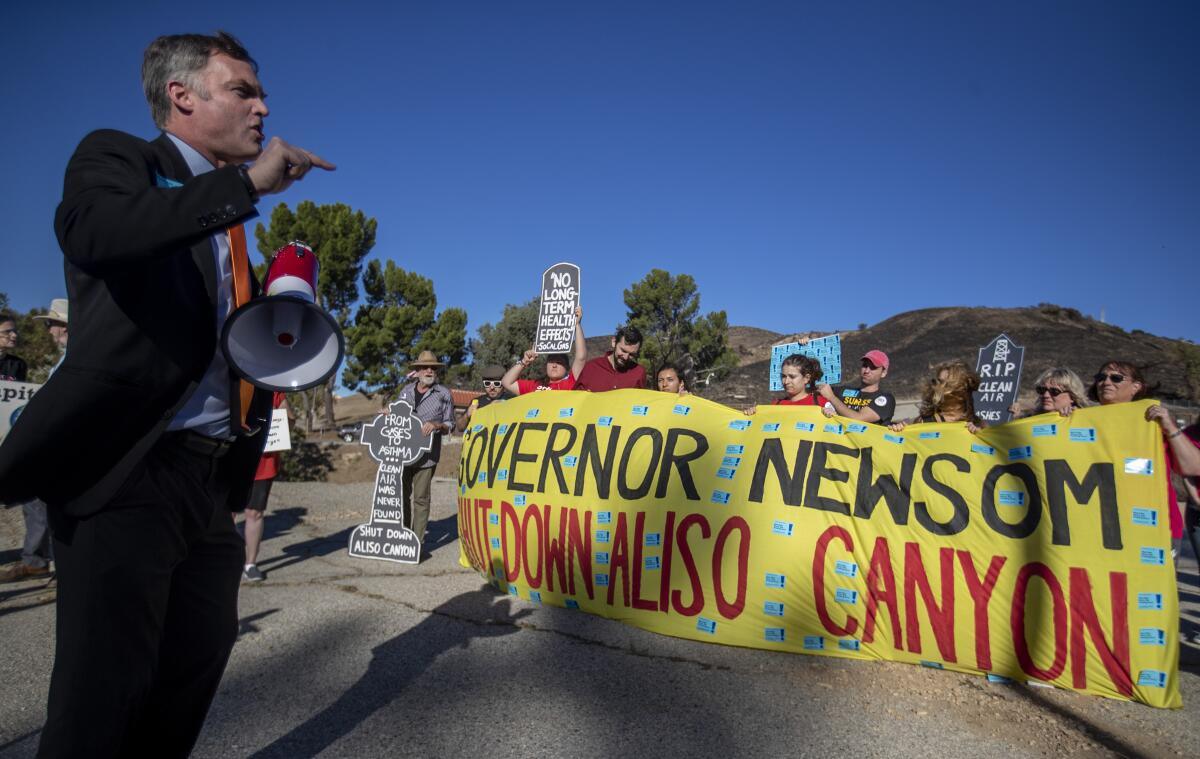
1122,382
1056,390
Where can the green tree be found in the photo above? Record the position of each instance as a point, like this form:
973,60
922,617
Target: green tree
503,343
665,309
398,320
34,343
341,238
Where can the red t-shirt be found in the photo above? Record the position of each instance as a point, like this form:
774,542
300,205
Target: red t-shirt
532,386
808,400
599,375
1175,518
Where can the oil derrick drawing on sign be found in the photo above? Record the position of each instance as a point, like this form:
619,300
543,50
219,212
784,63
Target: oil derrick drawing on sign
999,370
394,439
556,309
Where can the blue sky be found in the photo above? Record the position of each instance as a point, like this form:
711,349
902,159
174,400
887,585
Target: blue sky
812,165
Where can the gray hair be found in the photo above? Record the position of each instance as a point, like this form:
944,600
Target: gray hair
181,57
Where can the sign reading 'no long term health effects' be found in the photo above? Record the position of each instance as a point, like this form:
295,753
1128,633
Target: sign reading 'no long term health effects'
556,311
395,440
1034,551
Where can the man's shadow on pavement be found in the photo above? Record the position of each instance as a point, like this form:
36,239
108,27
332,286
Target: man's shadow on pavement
395,663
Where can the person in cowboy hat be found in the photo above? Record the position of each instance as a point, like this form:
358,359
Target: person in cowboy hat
433,405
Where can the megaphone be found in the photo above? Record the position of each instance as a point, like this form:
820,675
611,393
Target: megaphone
285,341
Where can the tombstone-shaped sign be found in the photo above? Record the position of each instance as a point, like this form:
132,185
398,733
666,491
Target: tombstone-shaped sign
556,311
395,440
999,370
827,350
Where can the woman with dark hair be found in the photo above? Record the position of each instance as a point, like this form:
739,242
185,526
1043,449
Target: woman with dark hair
948,397
670,380
799,375
1122,382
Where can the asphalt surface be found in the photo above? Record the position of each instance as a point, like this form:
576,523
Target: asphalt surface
341,657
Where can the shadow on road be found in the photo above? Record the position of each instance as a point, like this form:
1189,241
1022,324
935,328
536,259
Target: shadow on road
396,663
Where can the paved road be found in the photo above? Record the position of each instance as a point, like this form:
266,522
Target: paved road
341,657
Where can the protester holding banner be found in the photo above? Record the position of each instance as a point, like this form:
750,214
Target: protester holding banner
561,374
866,403
260,493
799,373
1056,390
948,397
619,368
1122,382
670,380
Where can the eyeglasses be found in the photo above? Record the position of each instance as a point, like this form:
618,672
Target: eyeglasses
1054,391
1116,379
491,383
12,332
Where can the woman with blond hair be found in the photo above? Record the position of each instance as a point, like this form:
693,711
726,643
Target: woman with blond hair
1057,390
948,397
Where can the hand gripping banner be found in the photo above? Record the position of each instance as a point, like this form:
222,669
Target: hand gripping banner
1034,551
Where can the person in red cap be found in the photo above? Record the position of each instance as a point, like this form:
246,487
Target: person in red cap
866,403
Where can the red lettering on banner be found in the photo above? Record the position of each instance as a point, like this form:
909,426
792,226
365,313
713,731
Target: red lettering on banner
1017,620
731,610
619,560
512,569
464,509
554,551
685,552
941,618
981,595
664,583
881,571
1083,616
529,539
639,539
580,546
482,507
819,581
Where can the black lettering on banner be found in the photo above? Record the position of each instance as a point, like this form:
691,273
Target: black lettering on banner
656,445
589,455
898,497
680,462
479,439
554,456
958,521
518,457
812,497
1033,510
1099,477
791,483
496,456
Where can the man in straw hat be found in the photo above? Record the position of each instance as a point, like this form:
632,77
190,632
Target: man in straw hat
434,406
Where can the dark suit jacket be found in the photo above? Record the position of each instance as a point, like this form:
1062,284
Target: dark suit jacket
141,279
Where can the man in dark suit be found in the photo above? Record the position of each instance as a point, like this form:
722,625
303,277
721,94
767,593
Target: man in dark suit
144,411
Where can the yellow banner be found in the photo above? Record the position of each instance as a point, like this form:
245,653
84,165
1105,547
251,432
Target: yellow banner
1034,551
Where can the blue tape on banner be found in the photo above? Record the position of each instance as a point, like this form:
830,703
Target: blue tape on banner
477,428
653,562
997,678
783,528
1150,601
931,664
482,477
603,517
495,543
493,519
564,413
833,429
814,643
1153,556
846,568
640,410
775,580
986,450
849,645
514,591
805,426
1152,678
1011,498
605,421
735,450
856,427
532,413
519,500
1045,430
1083,434
770,427
682,410
571,603
570,461
602,580
846,596
1139,466
706,625
739,424
502,429
535,596
773,608
720,496
1020,452
602,536
1145,517
773,634
731,461
893,438
502,474
602,557
726,473
1152,636
654,539
929,435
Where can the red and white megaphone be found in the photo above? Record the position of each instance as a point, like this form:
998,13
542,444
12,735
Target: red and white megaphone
285,341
